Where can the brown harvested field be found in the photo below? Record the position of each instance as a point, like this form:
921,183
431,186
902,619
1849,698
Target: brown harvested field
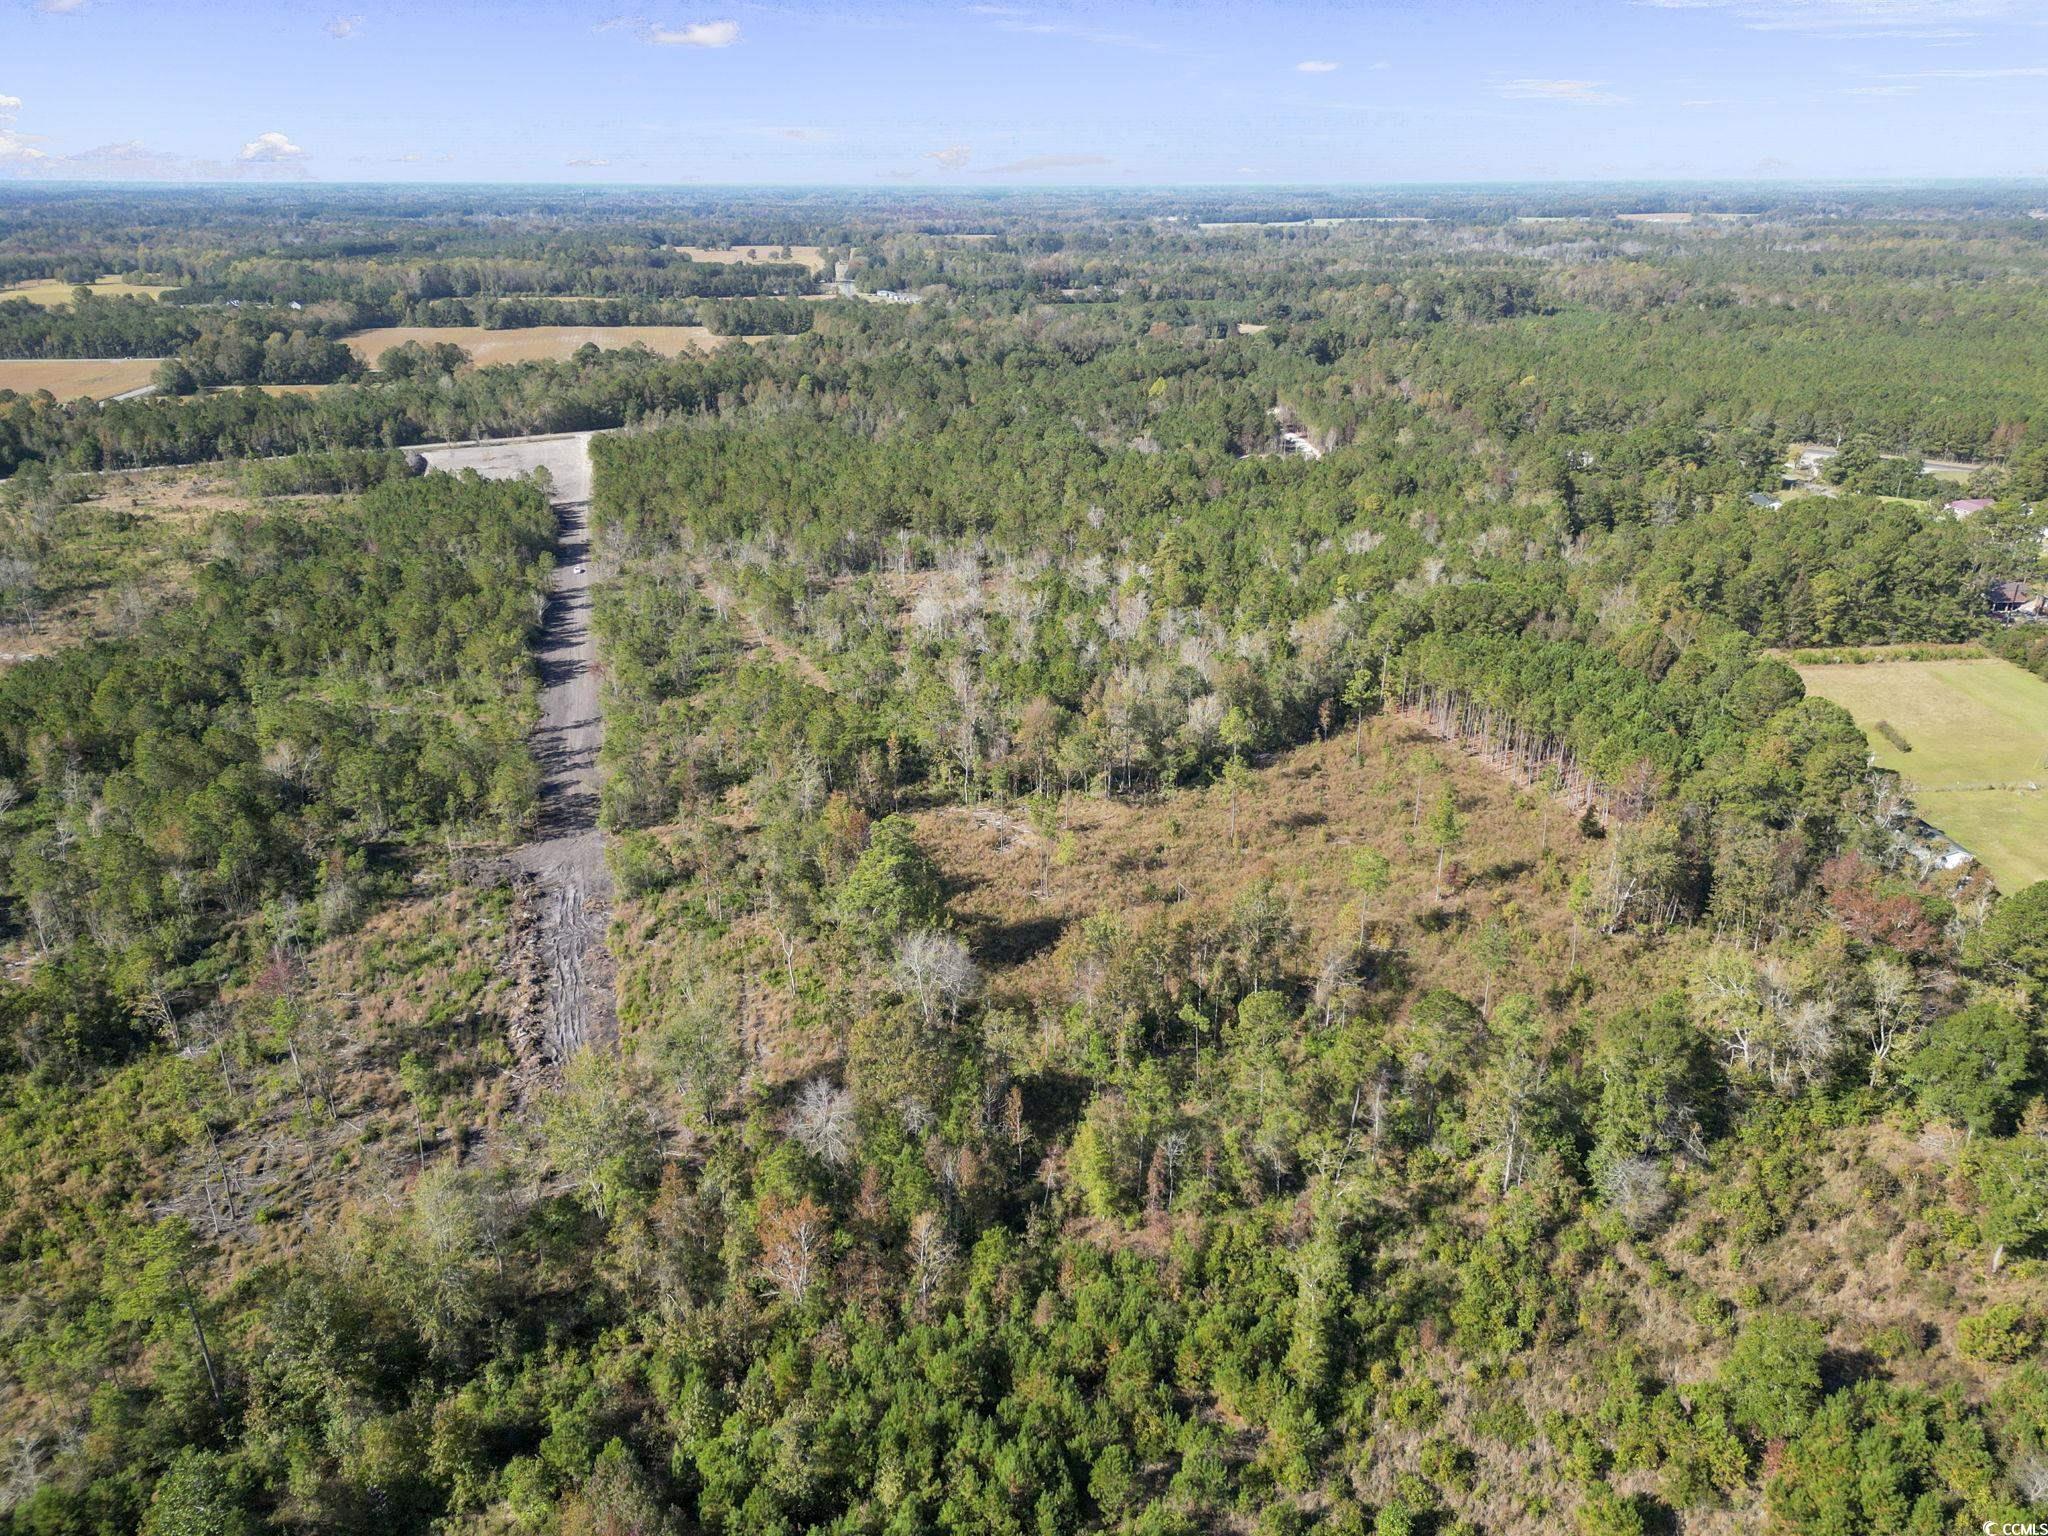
97,378
49,293
539,343
1298,824
739,255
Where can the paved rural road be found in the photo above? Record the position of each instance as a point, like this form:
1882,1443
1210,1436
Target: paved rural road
567,859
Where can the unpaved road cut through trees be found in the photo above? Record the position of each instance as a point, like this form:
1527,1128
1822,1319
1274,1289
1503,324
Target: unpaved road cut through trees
569,895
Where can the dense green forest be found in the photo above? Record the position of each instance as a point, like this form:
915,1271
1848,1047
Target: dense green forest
1225,917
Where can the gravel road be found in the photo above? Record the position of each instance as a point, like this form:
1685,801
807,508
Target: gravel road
567,857
565,456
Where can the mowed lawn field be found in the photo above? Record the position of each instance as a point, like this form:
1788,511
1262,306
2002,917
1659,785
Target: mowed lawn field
50,294
539,343
1979,765
99,378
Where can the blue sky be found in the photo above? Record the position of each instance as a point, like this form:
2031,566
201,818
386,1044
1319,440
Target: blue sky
1138,92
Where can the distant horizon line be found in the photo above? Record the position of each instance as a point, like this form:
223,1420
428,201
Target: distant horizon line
981,188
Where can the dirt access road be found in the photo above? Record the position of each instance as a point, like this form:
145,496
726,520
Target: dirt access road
572,891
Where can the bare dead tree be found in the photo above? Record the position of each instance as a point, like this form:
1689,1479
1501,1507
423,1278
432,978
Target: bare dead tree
934,970
823,1122
793,1240
932,1257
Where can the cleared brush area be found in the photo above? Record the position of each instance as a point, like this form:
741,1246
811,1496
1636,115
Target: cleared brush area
129,545
534,344
344,1069
1021,900
274,389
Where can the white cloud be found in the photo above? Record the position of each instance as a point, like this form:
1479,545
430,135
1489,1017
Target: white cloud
270,157
2012,72
802,135
131,155
409,157
953,157
696,34
1010,21
1047,163
271,148
59,7
345,27
1882,90
1925,19
587,163
1317,67
1571,93
19,148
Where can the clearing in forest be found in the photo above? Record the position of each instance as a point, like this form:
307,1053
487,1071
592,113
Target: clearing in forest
50,293
538,343
272,389
1976,764
1299,822
96,378
134,544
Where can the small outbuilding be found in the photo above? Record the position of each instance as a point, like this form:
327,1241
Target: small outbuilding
2016,600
